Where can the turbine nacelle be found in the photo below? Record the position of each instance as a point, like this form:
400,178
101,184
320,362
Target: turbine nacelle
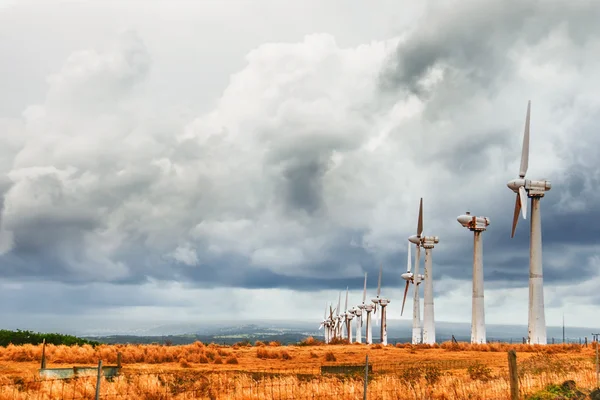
472,222
407,276
528,184
430,241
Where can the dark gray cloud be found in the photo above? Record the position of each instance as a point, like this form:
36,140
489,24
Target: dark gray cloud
308,170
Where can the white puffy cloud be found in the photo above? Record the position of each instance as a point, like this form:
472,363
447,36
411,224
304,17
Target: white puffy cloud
308,169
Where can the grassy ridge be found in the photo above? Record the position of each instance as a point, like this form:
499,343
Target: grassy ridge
20,337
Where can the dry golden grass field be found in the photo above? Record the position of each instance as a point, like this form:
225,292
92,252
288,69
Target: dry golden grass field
271,371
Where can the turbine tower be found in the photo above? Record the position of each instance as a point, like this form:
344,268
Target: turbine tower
382,305
416,239
477,225
535,190
409,278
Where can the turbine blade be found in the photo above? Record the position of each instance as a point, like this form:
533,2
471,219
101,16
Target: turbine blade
365,289
408,260
379,283
325,315
516,215
523,198
404,301
420,222
338,306
346,307
525,150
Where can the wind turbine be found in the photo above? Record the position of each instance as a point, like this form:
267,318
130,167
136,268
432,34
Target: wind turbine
368,308
535,190
338,319
428,243
330,325
477,225
349,314
324,324
382,305
409,278
359,313
416,239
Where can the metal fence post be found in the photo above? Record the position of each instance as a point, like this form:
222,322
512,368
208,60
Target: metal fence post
366,377
513,374
98,380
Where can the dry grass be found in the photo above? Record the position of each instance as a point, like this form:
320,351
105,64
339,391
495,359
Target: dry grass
447,371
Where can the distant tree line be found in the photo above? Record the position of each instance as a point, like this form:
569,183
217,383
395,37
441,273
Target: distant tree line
19,337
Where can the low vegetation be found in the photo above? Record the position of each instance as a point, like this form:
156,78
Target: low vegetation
20,337
244,371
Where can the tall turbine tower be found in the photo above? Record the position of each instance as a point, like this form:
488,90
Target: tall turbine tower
535,190
416,239
382,305
477,225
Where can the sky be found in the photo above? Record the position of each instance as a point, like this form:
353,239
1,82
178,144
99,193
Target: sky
175,161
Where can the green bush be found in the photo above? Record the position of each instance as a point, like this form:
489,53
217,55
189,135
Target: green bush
20,337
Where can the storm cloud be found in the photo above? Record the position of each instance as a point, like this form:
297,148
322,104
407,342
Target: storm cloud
305,171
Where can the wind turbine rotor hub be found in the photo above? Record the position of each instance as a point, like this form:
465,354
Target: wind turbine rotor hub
414,239
407,276
515,184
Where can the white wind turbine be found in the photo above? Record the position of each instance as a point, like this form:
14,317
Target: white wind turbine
428,243
330,325
477,225
338,319
409,278
324,324
360,309
349,314
535,190
368,308
416,240
382,306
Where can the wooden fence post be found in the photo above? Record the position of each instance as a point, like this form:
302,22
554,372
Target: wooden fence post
596,336
43,366
98,380
366,377
513,375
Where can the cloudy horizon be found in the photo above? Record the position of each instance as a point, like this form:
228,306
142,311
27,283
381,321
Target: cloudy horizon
183,161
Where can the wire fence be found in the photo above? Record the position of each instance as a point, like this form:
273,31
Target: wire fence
448,379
